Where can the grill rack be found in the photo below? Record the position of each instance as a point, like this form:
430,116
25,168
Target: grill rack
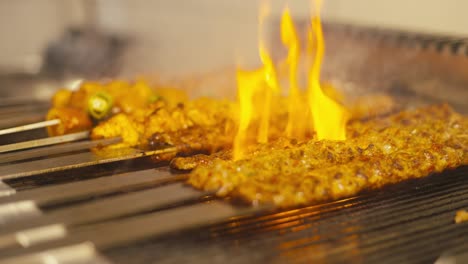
153,216
364,229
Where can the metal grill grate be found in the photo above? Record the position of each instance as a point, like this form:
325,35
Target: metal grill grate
409,223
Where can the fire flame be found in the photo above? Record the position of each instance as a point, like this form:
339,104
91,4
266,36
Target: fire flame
296,127
256,89
252,84
329,118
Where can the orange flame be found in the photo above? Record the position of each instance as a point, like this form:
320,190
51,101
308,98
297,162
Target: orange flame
256,89
289,37
252,84
329,117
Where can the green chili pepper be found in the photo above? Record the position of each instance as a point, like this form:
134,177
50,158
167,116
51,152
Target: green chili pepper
154,98
100,105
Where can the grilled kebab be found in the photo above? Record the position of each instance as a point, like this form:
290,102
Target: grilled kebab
406,145
148,117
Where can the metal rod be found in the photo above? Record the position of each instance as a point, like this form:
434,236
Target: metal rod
29,126
57,149
17,210
119,232
81,190
102,210
44,142
6,190
75,253
73,161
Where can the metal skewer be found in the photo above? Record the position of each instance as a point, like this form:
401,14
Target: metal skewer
105,209
29,126
56,149
44,142
73,161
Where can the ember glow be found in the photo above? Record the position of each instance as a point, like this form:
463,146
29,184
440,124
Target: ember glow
310,110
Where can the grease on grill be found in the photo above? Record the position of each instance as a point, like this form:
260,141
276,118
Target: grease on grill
406,145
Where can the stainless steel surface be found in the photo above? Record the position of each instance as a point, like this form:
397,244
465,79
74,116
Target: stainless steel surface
92,212
86,189
13,211
84,253
72,161
392,224
121,231
44,142
22,213
33,236
411,222
6,190
108,208
56,149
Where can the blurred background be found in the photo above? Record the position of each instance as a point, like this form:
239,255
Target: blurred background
175,37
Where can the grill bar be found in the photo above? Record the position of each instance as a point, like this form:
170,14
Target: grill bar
334,208
379,223
386,226
79,253
411,222
57,149
127,230
326,225
6,190
44,142
56,194
13,209
95,211
366,203
73,161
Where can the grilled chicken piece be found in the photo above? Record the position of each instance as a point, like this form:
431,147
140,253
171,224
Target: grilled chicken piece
120,125
99,101
161,125
71,120
403,146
